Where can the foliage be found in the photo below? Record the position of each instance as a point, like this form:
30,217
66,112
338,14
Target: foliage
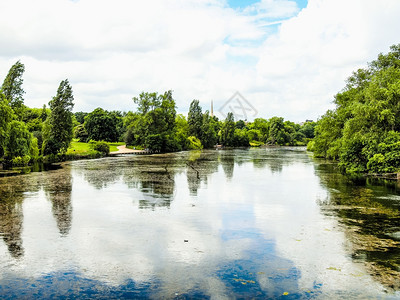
6,115
21,161
60,126
208,131
154,125
102,125
255,144
241,139
362,132
80,116
100,146
12,88
195,119
80,133
194,143
227,131
18,141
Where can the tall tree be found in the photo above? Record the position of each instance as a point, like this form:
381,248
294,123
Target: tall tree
363,131
60,123
195,119
12,88
208,131
154,126
228,130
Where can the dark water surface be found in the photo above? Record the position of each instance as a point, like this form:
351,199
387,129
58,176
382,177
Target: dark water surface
257,223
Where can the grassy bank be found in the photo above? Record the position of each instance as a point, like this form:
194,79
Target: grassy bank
83,149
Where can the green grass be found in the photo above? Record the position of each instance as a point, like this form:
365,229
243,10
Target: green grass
80,148
113,146
135,147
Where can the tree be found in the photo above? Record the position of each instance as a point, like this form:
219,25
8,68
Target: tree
276,131
227,130
5,119
101,125
154,126
362,131
182,132
60,125
80,116
195,119
19,139
12,88
208,131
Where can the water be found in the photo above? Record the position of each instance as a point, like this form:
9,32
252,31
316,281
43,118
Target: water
257,223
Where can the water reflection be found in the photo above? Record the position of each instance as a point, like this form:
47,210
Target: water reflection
58,188
207,224
227,160
11,215
370,219
11,218
200,165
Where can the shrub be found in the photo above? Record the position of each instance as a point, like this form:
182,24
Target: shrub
21,161
100,146
194,143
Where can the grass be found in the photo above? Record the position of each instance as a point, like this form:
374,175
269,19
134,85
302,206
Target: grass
113,146
135,147
80,148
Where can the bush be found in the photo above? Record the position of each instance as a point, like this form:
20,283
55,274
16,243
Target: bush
154,142
310,146
101,147
194,143
21,161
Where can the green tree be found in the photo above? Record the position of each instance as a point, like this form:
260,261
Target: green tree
18,141
208,131
101,125
6,115
154,126
276,134
227,130
308,129
59,131
12,88
195,119
80,116
367,113
182,132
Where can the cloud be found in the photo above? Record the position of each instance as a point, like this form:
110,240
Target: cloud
113,50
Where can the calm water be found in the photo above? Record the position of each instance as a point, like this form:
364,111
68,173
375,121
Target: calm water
257,223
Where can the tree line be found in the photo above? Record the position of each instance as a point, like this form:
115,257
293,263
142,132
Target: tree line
28,134
363,131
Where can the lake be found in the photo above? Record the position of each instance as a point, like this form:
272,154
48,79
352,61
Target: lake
245,223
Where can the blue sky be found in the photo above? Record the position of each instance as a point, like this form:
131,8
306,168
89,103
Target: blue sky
244,3
287,58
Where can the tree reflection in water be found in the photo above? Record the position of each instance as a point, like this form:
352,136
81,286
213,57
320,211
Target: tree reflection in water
199,166
12,194
58,188
11,220
370,220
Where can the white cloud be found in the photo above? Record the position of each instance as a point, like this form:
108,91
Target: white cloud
113,50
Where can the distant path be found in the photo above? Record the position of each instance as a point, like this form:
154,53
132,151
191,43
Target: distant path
123,150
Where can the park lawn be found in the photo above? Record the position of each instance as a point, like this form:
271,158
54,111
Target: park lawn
113,146
80,148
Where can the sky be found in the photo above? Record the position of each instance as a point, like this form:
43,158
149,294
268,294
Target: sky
270,57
